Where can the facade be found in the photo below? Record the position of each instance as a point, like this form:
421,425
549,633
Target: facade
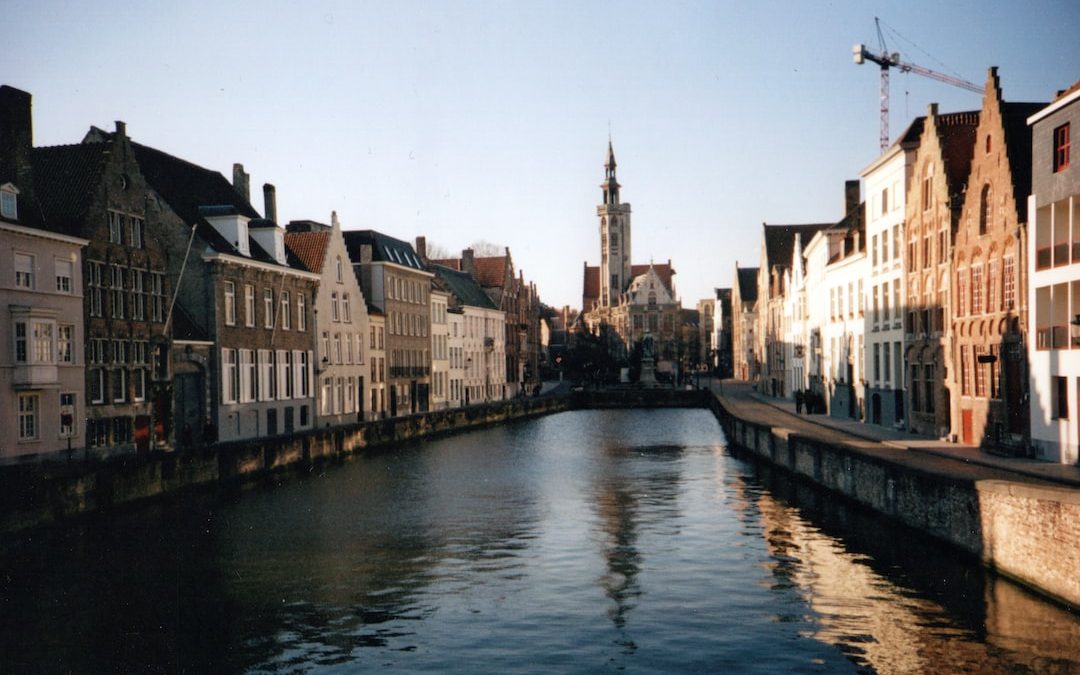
341,321
376,408
706,339
989,319
621,302
482,340
886,182
42,376
843,339
440,348
96,190
1054,288
932,217
744,324
720,340
394,279
455,348
772,336
244,311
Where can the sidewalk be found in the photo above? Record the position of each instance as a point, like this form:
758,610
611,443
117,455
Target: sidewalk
1062,474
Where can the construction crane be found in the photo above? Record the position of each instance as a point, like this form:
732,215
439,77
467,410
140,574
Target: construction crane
886,60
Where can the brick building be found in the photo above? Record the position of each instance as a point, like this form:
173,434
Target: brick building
989,317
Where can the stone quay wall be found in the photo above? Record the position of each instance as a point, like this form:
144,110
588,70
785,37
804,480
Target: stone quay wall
1026,530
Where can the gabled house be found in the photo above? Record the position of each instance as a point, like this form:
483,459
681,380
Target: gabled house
744,324
341,321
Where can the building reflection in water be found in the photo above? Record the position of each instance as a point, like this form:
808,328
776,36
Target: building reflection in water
896,602
634,489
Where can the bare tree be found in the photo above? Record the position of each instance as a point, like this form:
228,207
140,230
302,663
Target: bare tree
437,251
484,249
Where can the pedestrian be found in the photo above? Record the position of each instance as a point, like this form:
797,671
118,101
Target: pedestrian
798,401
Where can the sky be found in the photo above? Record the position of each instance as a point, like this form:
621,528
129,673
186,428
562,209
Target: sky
489,121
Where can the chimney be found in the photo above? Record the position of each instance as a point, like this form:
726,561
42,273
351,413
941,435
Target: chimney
334,224
16,138
467,260
421,248
269,202
365,253
851,196
241,181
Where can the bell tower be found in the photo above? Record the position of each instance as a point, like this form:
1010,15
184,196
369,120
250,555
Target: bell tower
614,237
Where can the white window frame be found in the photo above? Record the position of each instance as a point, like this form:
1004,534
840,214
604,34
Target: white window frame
230,303
268,308
301,312
24,264
286,311
27,409
249,305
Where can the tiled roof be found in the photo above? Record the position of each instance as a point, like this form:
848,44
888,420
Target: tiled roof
463,287
490,272
780,241
748,283
66,178
1065,92
383,248
452,263
663,270
309,248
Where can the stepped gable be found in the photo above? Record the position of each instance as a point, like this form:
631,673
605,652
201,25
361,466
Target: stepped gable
956,136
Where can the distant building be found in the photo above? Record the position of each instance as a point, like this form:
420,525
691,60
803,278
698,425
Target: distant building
744,323
1054,290
622,302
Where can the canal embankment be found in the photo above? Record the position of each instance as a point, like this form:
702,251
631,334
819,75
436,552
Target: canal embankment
1020,525
34,494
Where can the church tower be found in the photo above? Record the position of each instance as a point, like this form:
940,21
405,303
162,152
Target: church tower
614,237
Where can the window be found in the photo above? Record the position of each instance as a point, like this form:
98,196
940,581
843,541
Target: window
96,272
64,274
119,385
266,375
334,315
21,354
287,374
286,320
65,342
345,309
138,381
138,294
230,303
24,270
337,347
327,395
43,342
1059,410
67,415
116,294
249,305
985,208
135,232
8,202
1008,297
1061,147
249,383
268,307
157,297
301,312
303,371
980,372
28,417
340,276
230,376
977,289
116,226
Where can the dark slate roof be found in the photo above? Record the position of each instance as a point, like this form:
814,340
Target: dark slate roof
66,178
748,283
780,241
384,248
196,193
1018,146
463,287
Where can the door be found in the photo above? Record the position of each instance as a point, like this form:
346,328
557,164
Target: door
187,393
875,408
966,425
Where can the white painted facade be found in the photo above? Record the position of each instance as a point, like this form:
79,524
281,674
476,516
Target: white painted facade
440,350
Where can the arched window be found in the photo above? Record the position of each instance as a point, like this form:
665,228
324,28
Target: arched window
339,273
985,207
652,297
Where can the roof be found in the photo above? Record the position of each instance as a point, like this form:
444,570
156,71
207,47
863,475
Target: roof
491,272
1018,146
590,287
663,270
309,248
66,178
747,283
384,248
185,328
956,136
591,281
463,287
780,241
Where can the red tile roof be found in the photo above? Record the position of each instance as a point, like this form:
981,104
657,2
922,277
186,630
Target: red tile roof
591,286
490,272
309,247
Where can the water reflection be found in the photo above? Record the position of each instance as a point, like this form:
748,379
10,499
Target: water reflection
578,542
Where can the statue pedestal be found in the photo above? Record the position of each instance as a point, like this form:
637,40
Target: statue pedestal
648,373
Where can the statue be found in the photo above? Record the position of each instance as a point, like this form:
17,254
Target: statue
647,346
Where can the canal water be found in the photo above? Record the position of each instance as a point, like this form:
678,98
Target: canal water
586,541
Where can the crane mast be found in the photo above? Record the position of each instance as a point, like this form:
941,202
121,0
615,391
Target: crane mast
885,61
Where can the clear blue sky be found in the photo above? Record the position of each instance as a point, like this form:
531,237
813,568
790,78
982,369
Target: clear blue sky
489,120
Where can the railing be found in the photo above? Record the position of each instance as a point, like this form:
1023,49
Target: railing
1043,257
1051,337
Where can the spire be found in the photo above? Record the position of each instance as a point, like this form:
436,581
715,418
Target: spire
610,163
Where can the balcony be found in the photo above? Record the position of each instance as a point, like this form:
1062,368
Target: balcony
35,376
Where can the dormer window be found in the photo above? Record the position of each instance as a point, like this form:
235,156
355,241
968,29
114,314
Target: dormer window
9,201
